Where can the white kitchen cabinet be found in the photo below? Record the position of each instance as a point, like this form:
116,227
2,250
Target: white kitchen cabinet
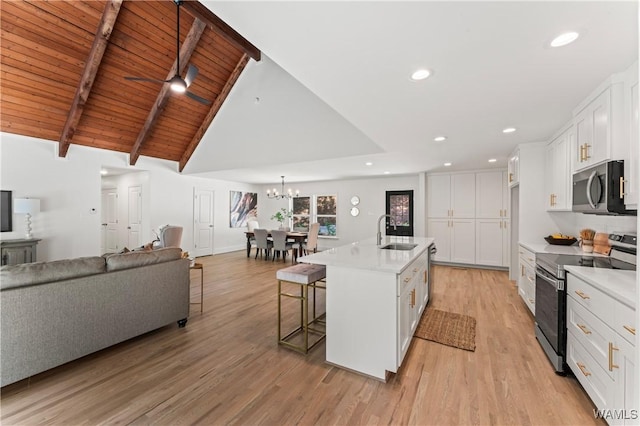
451,195
558,181
527,278
513,169
491,196
601,134
632,164
455,239
410,303
492,242
599,350
506,242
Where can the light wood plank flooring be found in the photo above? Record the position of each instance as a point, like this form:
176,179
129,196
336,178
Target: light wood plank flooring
226,368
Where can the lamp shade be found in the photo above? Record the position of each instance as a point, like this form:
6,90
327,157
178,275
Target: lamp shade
26,205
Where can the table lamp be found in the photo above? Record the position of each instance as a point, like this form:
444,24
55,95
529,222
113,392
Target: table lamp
27,206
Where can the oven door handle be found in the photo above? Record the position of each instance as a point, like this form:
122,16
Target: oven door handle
558,284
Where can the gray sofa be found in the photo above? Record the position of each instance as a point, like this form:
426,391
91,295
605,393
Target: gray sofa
54,312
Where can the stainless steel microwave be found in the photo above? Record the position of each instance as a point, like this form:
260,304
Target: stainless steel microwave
599,190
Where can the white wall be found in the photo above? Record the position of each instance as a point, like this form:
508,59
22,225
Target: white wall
69,188
372,204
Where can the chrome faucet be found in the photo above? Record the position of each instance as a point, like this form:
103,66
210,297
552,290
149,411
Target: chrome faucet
379,221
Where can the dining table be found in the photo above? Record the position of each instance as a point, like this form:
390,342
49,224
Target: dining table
297,237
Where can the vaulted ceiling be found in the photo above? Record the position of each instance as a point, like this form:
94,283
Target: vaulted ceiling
64,65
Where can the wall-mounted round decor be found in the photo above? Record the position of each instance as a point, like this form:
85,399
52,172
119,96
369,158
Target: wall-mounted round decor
355,200
355,211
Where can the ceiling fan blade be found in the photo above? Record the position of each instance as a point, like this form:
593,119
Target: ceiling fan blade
198,98
192,73
152,80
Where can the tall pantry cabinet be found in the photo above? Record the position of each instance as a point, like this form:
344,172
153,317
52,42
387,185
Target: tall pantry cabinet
451,216
468,217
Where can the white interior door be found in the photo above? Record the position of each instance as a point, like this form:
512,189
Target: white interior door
134,225
109,241
203,222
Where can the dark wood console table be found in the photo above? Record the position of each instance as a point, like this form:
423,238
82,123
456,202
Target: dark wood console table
19,251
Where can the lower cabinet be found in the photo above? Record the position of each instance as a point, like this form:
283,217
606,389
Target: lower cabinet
413,294
600,356
15,252
456,239
492,242
527,278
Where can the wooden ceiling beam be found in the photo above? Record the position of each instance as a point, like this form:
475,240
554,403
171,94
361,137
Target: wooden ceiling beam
198,10
187,49
100,42
215,107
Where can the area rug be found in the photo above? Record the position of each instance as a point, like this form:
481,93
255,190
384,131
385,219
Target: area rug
448,328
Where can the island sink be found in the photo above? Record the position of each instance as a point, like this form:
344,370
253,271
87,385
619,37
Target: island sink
399,246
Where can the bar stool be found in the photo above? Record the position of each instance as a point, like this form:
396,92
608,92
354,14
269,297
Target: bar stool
305,275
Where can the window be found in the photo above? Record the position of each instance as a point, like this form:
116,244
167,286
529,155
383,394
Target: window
301,214
400,207
326,214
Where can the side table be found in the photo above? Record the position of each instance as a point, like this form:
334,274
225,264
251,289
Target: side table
201,268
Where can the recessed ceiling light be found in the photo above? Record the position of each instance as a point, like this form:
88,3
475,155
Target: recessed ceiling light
420,74
103,172
492,160
440,138
386,173
509,130
564,39
447,164
368,163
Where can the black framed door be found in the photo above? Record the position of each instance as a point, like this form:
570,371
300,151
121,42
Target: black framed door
399,204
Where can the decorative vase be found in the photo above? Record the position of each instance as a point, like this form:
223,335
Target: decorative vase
587,246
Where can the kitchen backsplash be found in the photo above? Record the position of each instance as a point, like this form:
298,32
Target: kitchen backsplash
571,223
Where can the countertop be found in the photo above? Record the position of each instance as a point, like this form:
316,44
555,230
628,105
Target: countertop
554,249
621,285
367,255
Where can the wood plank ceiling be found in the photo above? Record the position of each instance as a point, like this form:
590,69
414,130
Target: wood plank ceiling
63,65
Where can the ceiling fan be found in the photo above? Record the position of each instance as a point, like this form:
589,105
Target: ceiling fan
177,83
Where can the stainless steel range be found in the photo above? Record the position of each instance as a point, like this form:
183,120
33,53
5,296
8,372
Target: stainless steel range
551,296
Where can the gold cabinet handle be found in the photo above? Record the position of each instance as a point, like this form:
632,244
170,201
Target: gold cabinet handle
581,294
424,277
583,368
622,181
586,151
629,329
415,270
611,364
413,298
584,329
531,301
522,270
406,280
581,153
510,177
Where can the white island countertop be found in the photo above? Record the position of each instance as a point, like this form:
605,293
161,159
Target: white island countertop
367,255
619,284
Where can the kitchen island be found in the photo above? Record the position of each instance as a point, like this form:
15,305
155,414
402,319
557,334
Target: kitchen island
375,298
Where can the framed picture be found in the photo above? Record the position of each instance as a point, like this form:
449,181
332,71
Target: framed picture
242,206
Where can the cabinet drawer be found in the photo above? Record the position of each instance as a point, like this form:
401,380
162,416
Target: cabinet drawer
527,257
597,302
594,335
625,322
406,276
599,386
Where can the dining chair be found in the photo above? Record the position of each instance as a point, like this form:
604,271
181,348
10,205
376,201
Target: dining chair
280,244
312,239
252,224
262,242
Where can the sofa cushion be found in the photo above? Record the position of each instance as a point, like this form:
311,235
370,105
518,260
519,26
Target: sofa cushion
43,272
134,259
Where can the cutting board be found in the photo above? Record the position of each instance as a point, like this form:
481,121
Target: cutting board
601,243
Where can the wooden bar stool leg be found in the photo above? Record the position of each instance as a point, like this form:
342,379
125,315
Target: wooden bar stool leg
306,318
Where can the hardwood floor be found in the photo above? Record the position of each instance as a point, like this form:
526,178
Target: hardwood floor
226,368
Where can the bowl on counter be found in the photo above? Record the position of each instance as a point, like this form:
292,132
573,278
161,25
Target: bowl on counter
560,241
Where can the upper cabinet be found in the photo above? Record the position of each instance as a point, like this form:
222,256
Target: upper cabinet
491,197
513,171
599,125
631,167
451,195
558,171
